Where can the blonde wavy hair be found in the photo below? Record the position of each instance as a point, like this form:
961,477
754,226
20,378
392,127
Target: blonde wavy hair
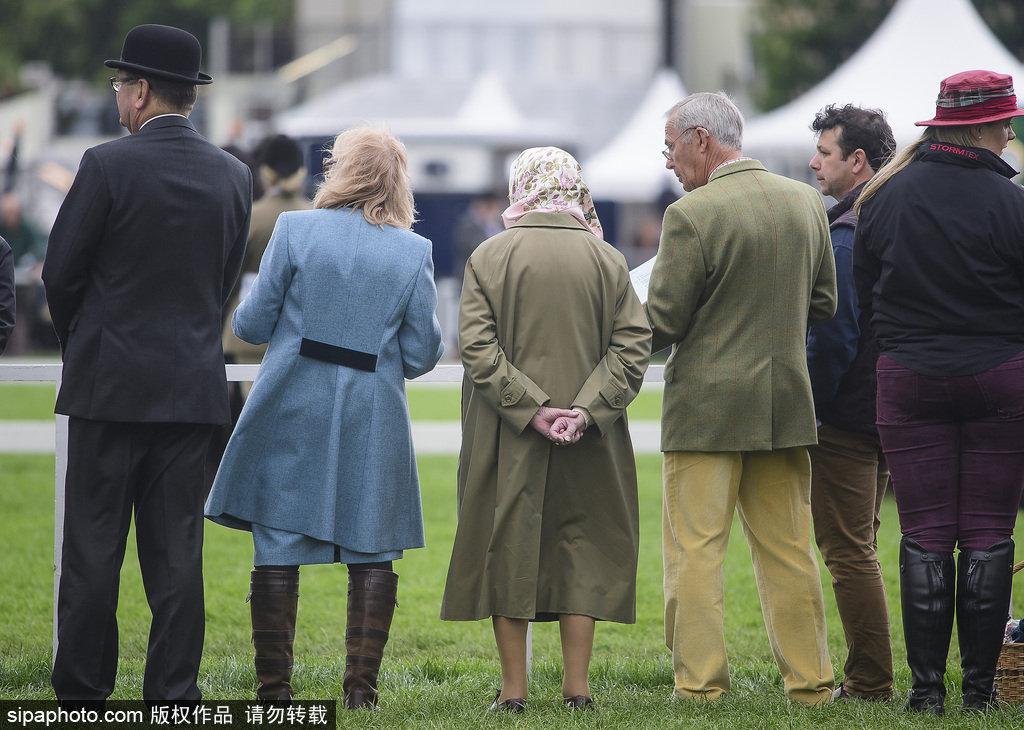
368,171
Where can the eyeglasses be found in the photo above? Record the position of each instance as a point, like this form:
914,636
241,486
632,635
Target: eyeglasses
116,83
668,148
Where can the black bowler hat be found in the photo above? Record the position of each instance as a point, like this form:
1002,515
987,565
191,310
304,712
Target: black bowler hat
162,52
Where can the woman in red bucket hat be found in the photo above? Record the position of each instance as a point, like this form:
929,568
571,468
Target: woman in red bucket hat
939,265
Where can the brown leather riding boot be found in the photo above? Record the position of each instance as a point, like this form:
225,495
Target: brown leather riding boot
372,597
273,602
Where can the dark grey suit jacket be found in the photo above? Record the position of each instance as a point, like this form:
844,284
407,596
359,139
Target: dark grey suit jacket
139,265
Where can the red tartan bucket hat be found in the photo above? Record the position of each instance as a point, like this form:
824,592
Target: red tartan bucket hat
974,97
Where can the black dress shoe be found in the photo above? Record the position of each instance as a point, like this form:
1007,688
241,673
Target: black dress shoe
579,702
512,704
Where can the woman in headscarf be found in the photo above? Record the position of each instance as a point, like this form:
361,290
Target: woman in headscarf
939,266
555,344
320,467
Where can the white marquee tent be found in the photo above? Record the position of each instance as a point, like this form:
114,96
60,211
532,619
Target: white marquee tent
630,168
897,70
442,109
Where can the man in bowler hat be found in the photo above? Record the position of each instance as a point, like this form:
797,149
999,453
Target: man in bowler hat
140,262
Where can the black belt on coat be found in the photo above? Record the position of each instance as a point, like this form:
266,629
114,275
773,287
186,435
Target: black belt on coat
338,355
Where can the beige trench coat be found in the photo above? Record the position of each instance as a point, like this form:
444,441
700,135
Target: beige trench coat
548,317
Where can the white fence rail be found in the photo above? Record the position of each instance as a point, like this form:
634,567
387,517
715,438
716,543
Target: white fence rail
51,373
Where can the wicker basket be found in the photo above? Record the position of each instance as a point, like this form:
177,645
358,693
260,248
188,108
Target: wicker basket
1010,668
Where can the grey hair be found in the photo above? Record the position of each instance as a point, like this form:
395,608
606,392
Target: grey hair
716,112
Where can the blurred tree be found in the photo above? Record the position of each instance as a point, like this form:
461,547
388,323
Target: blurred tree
76,36
800,42
1006,19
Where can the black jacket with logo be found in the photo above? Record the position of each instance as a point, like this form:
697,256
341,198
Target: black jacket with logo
938,261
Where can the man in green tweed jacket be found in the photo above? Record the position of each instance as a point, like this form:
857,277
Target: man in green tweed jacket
744,266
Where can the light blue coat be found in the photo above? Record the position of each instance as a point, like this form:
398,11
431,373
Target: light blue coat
321,449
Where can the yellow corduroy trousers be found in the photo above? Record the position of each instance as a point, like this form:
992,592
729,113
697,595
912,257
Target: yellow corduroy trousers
771,492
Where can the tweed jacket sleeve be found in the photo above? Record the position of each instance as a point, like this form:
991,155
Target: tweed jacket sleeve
513,395
677,280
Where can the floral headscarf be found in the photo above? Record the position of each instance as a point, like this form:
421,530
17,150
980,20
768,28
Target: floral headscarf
549,180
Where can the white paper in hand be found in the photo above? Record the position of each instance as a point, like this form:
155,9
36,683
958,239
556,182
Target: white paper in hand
641,277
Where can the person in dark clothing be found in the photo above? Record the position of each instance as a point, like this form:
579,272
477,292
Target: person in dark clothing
848,471
138,268
481,221
7,308
27,242
938,263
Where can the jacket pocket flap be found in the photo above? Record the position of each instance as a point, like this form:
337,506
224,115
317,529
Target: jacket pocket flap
613,394
512,393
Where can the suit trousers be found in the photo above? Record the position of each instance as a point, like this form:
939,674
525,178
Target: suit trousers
154,470
848,480
770,491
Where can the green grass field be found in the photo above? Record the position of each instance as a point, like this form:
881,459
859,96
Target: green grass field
438,674
26,401
433,402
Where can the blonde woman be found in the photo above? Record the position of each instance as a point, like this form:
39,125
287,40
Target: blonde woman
938,261
320,467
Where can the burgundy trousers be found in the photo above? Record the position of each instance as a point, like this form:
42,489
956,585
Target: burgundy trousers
955,450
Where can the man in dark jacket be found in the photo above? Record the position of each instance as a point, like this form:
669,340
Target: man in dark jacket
848,471
139,265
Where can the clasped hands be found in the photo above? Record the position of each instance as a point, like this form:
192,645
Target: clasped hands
559,425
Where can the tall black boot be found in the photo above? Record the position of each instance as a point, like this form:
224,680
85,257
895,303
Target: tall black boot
927,587
372,597
982,606
273,604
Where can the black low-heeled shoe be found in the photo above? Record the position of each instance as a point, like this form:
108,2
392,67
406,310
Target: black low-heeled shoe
579,702
514,705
